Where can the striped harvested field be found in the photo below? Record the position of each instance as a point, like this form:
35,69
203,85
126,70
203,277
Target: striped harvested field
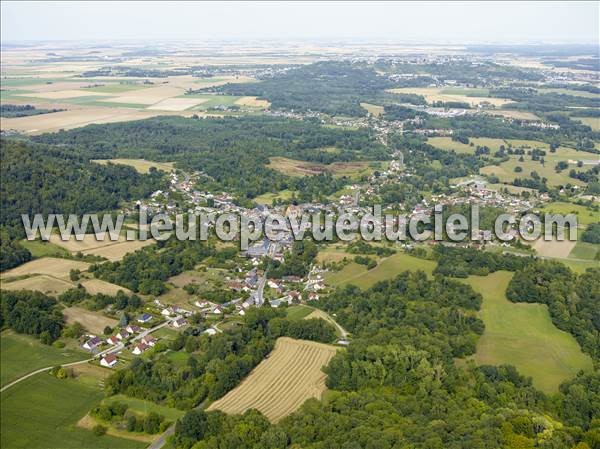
281,383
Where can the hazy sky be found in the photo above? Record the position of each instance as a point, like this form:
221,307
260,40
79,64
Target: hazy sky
509,22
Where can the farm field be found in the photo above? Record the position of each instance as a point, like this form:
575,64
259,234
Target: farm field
298,312
145,407
472,96
333,253
523,335
55,267
554,248
292,167
110,99
509,113
282,382
73,118
387,268
446,143
267,198
22,354
112,250
95,286
372,109
585,250
506,170
592,122
585,215
39,248
42,412
94,322
41,283
141,165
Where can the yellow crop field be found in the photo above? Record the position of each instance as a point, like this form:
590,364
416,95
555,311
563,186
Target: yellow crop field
253,102
118,250
554,248
95,286
39,124
177,104
42,283
372,109
141,165
432,94
280,384
51,266
94,322
110,249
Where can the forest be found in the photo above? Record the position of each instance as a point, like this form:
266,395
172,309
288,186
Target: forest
243,145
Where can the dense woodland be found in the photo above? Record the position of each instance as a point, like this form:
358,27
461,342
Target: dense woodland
31,313
243,145
335,88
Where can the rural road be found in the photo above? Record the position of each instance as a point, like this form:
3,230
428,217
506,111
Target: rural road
110,350
160,441
41,370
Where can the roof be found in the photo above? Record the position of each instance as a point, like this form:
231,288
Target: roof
110,358
94,341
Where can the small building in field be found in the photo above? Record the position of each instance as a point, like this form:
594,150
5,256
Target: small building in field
109,360
210,331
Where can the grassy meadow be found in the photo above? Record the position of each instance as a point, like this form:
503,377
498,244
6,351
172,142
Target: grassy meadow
387,268
22,354
523,335
42,412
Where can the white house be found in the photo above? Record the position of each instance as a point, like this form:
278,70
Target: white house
179,323
140,348
210,331
109,360
123,334
92,343
149,340
144,318
133,329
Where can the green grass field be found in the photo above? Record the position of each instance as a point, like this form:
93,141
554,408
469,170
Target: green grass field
585,250
42,412
298,312
39,248
446,143
506,170
22,354
387,268
145,407
267,198
585,215
523,335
